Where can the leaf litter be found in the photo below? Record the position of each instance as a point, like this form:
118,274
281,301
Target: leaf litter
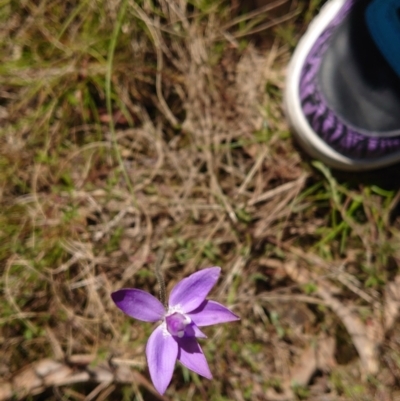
194,159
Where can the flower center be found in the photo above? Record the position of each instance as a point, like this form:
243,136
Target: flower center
177,323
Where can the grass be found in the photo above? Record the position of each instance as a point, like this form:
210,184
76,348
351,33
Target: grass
129,127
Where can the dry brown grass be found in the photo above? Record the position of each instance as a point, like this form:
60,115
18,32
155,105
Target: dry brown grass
195,159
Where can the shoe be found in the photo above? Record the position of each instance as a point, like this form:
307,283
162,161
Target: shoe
342,95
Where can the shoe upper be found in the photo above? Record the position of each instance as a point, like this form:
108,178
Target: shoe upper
357,81
349,92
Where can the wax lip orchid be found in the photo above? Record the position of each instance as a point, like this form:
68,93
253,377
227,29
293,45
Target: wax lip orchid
175,338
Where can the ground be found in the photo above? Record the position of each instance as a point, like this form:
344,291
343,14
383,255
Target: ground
131,129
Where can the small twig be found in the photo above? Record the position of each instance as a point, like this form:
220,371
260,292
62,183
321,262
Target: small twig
267,25
253,170
98,235
253,14
270,194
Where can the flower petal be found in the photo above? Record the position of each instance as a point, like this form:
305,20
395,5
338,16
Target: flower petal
139,304
211,312
194,331
161,351
191,291
191,355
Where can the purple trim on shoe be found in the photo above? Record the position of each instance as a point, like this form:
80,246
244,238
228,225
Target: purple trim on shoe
324,122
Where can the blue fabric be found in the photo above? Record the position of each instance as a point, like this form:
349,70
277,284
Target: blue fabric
383,21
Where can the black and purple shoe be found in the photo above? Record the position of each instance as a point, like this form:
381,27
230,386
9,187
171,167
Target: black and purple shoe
342,94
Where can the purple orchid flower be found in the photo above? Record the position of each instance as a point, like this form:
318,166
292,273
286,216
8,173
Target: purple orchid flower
175,338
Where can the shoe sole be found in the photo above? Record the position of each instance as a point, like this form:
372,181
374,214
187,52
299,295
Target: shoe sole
302,130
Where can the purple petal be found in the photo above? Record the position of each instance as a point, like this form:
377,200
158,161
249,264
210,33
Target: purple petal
161,351
211,312
192,291
191,355
139,304
194,331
